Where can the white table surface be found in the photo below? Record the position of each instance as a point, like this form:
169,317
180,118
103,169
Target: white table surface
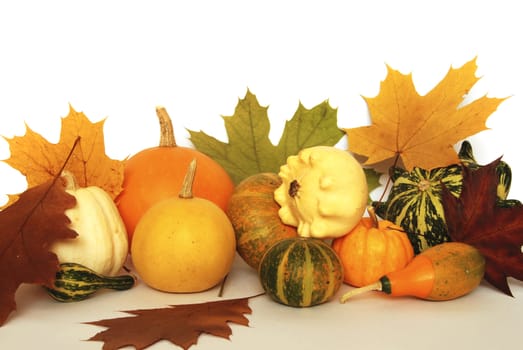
119,59
485,319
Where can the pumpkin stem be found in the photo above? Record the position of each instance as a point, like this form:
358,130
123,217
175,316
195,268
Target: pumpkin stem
356,291
167,138
373,216
186,191
70,180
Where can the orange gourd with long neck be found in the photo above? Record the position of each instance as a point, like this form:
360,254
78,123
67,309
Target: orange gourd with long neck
443,272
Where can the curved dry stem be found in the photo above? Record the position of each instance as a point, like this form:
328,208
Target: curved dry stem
186,190
373,216
167,138
357,291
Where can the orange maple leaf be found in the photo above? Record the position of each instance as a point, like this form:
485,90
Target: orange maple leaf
39,160
421,130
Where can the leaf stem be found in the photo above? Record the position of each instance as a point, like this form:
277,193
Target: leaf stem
222,286
44,195
58,175
389,180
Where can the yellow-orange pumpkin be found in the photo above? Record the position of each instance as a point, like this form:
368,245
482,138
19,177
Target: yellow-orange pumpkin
183,244
254,216
372,249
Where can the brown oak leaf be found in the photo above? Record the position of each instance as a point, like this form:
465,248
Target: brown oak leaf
27,229
496,231
420,130
179,324
39,160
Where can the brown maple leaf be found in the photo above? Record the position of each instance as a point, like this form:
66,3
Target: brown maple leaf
27,230
497,232
179,324
39,160
421,130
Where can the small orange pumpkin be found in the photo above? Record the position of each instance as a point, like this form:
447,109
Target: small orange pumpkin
372,249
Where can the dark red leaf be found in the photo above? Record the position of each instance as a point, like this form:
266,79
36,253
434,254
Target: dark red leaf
497,232
27,230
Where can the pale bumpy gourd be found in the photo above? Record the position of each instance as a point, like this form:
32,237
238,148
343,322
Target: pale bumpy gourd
323,192
101,244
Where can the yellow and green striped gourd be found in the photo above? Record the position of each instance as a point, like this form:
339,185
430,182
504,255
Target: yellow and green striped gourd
301,272
414,202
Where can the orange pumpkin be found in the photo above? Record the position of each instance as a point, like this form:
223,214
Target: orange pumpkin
254,216
372,249
157,173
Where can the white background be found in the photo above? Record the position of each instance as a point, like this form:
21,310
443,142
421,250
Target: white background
120,59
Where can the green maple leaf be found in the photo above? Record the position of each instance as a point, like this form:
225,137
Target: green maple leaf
249,150
373,180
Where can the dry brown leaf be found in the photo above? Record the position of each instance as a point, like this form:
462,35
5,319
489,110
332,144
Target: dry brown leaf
27,230
39,160
179,324
421,130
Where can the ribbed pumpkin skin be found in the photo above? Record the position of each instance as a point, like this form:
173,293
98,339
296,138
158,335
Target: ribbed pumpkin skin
367,253
254,216
414,203
301,272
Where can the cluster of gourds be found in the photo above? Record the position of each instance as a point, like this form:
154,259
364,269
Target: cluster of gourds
155,189
92,260
305,231
281,221
415,200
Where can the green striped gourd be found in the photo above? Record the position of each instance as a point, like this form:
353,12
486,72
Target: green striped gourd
75,282
415,203
300,272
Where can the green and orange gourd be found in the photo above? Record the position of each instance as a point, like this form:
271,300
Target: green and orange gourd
443,272
301,272
254,215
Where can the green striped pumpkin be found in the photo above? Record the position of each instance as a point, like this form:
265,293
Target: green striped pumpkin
75,282
415,203
300,272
